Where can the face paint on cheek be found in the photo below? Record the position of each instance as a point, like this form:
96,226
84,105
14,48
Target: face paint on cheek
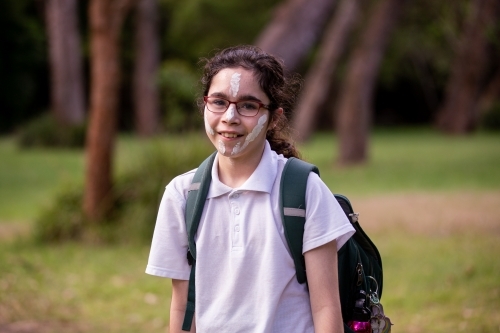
208,128
230,112
254,134
222,147
234,84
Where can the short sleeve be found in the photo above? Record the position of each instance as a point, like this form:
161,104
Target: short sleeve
167,257
325,219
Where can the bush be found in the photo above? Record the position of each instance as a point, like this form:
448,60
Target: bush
137,194
64,220
491,119
178,82
46,132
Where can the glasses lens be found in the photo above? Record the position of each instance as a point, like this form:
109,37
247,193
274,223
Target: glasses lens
248,108
215,104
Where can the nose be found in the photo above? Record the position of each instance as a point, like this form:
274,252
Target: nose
230,116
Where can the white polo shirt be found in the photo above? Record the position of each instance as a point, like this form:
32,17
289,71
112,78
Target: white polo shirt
245,275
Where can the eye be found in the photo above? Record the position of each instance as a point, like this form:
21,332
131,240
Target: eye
249,106
218,101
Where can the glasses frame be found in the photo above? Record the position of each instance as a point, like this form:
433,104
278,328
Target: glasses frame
261,105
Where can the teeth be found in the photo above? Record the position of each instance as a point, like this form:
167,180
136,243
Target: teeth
229,135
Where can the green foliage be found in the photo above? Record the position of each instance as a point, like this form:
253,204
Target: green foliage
44,131
491,119
178,83
424,42
137,193
197,27
64,221
417,62
192,29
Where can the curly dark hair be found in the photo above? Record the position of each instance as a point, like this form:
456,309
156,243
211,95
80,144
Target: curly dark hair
280,87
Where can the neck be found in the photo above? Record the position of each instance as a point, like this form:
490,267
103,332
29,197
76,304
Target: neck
234,172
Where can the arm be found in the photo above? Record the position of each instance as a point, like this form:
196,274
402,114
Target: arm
178,306
322,277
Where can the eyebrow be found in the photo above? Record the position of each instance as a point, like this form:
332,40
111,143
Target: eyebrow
242,98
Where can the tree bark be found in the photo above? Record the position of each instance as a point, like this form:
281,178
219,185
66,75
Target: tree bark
458,114
106,18
490,94
67,93
147,61
354,110
319,78
295,27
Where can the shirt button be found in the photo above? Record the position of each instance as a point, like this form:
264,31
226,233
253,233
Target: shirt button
237,211
237,228
236,195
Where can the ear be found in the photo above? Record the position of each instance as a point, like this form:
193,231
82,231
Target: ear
277,114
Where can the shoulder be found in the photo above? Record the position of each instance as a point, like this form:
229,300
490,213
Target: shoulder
179,186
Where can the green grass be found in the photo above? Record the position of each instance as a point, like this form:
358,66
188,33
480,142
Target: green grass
433,282
70,288
29,178
412,160
400,161
441,284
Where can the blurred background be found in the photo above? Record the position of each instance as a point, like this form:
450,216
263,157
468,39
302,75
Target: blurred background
400,109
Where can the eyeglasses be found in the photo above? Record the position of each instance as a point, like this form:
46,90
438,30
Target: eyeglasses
244,108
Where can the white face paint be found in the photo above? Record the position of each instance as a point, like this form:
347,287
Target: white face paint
222,147
235,84
254,134
230,112
208,129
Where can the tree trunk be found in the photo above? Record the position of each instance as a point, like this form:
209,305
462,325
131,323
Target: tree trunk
296,26
319,77
490,94
354,111
65,59
458,114
106,18
147,60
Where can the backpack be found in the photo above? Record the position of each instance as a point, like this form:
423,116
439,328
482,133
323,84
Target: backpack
359,261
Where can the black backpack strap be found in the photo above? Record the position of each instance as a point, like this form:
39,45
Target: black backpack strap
195,203
293,204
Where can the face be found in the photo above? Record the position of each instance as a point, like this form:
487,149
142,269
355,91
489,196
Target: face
233,135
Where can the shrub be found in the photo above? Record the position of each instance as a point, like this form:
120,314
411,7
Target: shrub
178,82
63,220
137,194
46,132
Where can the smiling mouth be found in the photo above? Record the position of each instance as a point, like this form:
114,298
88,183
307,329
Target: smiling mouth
230,135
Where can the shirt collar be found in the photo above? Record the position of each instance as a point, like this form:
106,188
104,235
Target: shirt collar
262,179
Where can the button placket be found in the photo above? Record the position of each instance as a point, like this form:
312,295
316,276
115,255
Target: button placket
236,228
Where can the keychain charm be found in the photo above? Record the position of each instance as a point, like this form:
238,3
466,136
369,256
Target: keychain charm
380,323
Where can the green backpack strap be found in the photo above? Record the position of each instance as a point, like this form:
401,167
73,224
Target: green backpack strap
293,214
293,208
197,195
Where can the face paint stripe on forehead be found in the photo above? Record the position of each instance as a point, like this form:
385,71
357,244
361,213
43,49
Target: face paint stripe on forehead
234,84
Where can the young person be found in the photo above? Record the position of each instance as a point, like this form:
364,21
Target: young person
245,275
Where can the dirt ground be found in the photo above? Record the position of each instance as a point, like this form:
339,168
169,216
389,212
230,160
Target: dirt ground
417,213
431,213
